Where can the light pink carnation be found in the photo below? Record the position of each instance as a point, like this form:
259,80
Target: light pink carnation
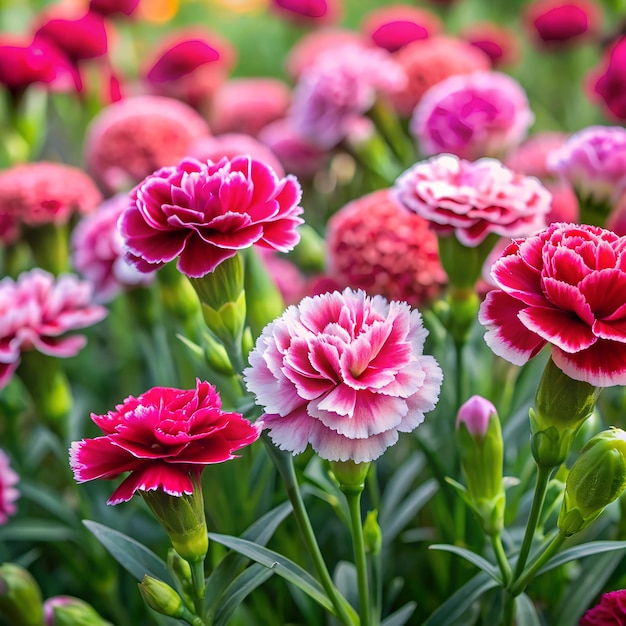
473,199
203,213
8,493
130,139
564,287
98,252
593,160
345,373
472,116
36,311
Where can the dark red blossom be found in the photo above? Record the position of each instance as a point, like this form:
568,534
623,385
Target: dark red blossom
610,611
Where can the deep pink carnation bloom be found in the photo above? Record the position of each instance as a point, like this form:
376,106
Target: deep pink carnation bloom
499,43
308,11
428,61
176,62
557,22
332,97
246,105
163,438
110,7
376,245
565,287
608,81
472,115
36,310
98,252
203,213
345,373
130,139
531,156
610,611
32,194
593,161
473,199
8,493
393,27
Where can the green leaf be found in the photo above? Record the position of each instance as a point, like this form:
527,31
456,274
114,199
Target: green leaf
37,530
133,556
237,592
581,551
281,565
479,561
525,612
461,600
48,500
401,616
398,486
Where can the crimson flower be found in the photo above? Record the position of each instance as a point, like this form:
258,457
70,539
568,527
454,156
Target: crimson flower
556,22
203,213
345,373
609,80
566,287
164,438
610,611
110,7
312,11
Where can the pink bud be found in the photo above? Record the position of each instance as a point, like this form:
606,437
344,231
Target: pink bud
475,414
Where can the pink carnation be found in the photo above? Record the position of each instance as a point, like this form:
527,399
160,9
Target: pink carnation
531,156
98,252
36,311
555,22
376,245
608,81
562,287
610,611
8,493
130,139
164,438
246,105
474,115
428,61
345,373
111,7
499,43
308,11
332,97
593,161
473,199
203,213
32,194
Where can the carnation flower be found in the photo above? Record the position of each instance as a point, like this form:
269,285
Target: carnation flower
332,97
376,245
562,287
473,199
203,213
555,22
33,194
164,438
130,139
246,105
393,27
610,611
593,160
499,43
428,61
608,81
110,7
531,156
8,493
308,11
474,115
36,311
98,252
345,373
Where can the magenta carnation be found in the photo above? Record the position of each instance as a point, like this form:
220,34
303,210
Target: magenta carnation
610,611
473,199
565,287
472,115
203,213
164,438
36,311
555,22
498,42
608,80
308,11
8,493
376,245
345,373
98,252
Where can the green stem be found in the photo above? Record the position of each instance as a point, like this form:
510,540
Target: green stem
353,496
503,562
198,586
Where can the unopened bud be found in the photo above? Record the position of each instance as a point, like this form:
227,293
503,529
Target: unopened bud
20,597
161,597
70,611
372,535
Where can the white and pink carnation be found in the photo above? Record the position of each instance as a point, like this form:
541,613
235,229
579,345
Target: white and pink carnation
473,199
343,372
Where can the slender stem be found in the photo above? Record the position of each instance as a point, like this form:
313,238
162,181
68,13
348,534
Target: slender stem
543,475
375,564
353,496
197,578
503,562
460,373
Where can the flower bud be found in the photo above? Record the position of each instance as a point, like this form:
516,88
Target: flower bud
561,407
69,611
350,475
20,597
182,570
597,478
372,534
161,597
178,297
479,438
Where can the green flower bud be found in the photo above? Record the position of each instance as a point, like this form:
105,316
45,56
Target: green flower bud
177,295
597,478
562,405
350,475
216,356
161,597
372,534
182,570
20,597
69,611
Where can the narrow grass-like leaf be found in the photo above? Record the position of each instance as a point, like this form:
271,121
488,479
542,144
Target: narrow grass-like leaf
479,561
581,551
525,612
401,616
37,530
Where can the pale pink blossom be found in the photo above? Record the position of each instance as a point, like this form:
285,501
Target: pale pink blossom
345,373
475,413
37,310
472,116
8,493
473,199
